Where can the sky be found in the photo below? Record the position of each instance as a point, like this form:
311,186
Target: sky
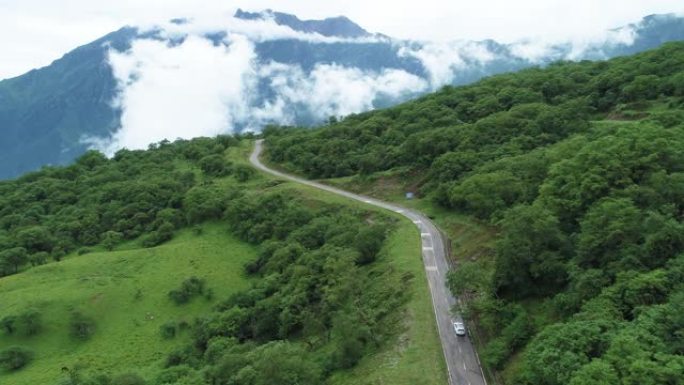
36,32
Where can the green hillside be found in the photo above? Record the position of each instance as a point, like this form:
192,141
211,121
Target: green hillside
563,190
125,293
182,265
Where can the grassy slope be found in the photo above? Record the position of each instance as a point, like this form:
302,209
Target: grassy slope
127,336
104,285
415,357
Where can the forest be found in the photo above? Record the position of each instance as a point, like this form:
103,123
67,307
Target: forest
319,298
579,170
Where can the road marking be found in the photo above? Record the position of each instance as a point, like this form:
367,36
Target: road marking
366,200
464,367
418,222
400,211
424,234
431,268
428,248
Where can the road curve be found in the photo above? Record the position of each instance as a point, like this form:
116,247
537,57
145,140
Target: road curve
463,365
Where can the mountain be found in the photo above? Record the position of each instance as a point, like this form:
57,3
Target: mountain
135,87
564,190
339,26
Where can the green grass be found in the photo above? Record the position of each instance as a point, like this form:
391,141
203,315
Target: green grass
126,293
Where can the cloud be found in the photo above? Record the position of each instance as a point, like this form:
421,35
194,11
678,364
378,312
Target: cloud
192,89
333,90
443,60
182,84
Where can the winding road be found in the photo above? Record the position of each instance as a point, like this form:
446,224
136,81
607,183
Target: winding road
463,365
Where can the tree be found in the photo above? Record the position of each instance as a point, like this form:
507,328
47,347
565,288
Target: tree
204,202
560,350
111,238
11,260
531,252
35,239
597,372
215,165
284,363
368,242
243,173
611,231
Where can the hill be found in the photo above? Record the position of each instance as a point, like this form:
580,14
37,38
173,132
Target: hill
562,188
181,264
265,67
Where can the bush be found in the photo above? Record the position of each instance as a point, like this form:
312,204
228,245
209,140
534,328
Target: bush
168,330
214,165
30,322
84,250
243,173
82,327
15,358
189,289
9,324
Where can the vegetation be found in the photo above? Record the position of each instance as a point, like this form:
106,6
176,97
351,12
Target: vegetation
14,358
579,169
297,288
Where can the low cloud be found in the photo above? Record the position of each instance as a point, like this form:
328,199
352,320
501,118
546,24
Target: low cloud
192,89
182,84
443,60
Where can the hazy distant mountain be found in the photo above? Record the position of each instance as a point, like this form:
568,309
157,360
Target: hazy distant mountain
260,68
339,26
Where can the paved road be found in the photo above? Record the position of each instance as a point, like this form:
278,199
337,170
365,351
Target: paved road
462,362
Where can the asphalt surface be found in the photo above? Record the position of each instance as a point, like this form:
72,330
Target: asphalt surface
461,359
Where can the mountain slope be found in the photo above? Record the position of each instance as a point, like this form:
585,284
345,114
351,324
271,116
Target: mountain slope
563,190
293,71
216,273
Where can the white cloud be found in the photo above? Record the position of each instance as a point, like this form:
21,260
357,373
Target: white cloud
196,87
443,60
332,90
39,31
256,30
183,91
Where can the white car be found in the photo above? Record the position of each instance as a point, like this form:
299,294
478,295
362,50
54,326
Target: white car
459,328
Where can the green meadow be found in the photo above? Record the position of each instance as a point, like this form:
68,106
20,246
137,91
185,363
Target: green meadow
125,293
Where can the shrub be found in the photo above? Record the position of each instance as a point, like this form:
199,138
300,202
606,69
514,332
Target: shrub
9,324
243,173
214,165
189,289
15,358
30,322
82,327
168,330
84,250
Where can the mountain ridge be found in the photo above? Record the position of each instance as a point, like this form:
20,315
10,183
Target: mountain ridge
49,115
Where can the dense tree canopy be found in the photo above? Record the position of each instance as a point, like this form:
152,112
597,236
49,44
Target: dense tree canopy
579,167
